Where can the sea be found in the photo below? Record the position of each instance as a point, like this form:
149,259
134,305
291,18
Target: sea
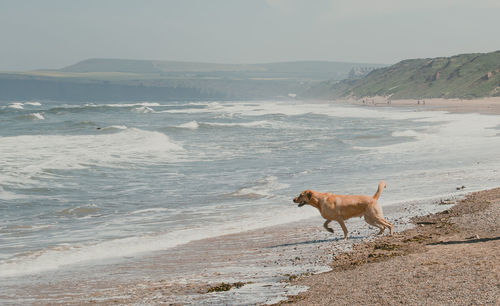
87,183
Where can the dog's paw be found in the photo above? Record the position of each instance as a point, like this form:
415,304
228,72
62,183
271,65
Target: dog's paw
329,229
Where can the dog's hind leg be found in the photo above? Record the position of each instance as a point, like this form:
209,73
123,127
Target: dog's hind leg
344,228
325,225
384,223
375,222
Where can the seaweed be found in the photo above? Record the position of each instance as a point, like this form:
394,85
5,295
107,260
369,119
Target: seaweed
225,287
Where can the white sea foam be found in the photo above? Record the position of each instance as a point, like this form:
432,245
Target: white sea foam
261,188
143,110
191,125
252,124
209,107
34,103
114,105
119,149
37,116
406,133
16,105
143,104
149,210
473,136
114,127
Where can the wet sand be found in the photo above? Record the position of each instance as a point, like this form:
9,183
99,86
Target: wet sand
449,258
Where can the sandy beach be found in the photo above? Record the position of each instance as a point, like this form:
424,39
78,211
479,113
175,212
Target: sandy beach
449,258
489,105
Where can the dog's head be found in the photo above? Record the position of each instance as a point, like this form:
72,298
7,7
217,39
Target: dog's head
303,198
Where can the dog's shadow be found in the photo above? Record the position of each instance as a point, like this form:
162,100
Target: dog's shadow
316,241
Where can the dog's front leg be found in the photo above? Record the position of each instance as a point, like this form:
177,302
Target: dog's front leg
325,225
344,228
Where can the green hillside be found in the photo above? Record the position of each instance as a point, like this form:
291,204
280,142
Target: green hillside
463,76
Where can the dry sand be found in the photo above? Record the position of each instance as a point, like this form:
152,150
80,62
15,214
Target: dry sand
449,258
481,105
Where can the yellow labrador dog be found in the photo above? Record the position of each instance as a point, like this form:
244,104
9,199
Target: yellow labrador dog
336,207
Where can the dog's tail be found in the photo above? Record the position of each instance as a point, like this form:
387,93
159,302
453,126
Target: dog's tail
381,186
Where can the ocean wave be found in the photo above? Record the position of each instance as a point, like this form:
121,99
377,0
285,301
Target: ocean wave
144,104
298,108
16,105
207,107
34,103
71,152
143,110
113,128
32,116
469,133
406,133
137,107
37,116
140,104
191,125
252,124
261,188
149,210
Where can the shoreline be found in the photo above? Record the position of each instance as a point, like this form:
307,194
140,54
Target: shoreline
262,260
449,257
485,106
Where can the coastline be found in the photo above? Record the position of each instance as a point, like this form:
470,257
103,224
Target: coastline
263,260
450,257
487,106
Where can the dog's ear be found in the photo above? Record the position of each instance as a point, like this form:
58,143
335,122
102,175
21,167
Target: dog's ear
309,194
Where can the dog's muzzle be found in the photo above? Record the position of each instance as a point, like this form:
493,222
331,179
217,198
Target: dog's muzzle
301,203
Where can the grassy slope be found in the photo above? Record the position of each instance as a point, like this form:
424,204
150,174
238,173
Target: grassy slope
461,76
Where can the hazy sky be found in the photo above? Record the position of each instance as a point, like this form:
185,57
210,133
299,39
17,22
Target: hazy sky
55,33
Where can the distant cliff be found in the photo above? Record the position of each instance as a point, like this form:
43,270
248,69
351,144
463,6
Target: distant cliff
136,80
464,76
